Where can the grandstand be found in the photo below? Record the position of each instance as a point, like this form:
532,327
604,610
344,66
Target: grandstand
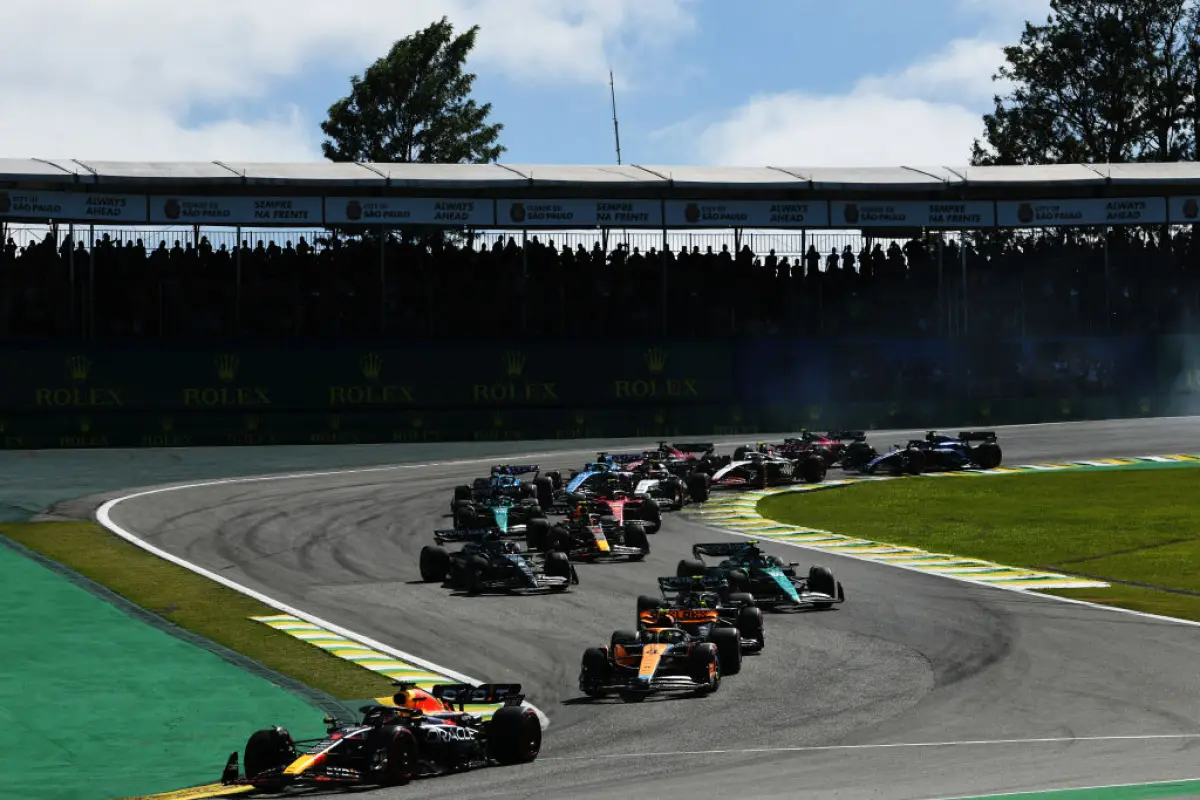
998,270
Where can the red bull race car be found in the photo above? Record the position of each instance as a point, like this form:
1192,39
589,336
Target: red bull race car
423,735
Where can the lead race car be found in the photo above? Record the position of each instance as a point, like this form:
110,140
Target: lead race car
771,581
421,736
661,657
491,563
938,453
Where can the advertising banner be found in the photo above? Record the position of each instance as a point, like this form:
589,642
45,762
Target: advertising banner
93,208
875,214
173,210
446,212
747,214
579,213
1094,211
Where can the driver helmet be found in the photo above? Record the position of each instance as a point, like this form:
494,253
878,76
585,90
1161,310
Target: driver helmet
417,699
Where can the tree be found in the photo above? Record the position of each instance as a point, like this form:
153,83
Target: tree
414,105
1100,81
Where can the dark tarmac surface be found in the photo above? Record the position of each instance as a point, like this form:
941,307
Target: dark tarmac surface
916,687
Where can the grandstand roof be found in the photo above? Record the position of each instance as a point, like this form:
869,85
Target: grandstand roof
604,180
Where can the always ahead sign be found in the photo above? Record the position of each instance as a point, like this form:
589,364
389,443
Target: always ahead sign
1092,211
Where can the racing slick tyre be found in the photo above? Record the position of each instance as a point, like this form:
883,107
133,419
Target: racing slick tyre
401,763
543,487
435,564
910,462
689,567
729,648
858,455
537,534
559,539
820,579
635,536
595,672
750,626
740,599
473,574
462,492
647,603
555,479
739,453
739,581
621,637
514,735
464,517
651,514
268,750
987,455
558,566
812,469
705,667
698,485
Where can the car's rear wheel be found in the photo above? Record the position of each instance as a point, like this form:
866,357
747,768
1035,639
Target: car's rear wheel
434,563
514,735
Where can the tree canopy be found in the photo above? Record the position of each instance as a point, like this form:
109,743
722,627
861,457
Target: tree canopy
415,105
1104,81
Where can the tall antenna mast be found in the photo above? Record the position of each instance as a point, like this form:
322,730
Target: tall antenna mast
612,87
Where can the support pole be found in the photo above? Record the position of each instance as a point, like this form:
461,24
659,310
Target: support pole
1108,284
665,262
91,313
525,281
965,318
71,275
382,278
941,257
237,288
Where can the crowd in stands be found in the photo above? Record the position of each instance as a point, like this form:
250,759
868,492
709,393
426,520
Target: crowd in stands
342,288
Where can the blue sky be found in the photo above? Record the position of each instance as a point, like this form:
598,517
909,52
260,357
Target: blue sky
790,82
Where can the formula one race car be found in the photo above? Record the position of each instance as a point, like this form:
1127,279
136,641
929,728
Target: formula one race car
847,449
503,513
422,736
505,481
661,657
771,581
653,479
488,562
938,453
756,468
612,493
700,604
587,534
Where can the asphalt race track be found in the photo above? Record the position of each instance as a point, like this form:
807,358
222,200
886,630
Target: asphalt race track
1006,691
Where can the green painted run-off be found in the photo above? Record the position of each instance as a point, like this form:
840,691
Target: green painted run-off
1136,791
96,704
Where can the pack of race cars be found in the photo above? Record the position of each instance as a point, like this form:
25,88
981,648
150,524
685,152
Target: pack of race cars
694,633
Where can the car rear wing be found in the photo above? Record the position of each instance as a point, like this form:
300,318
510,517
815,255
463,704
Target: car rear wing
622,458
692,583
718,549
977,436
462,694
841,436
694,447
520,469
681,616
467,535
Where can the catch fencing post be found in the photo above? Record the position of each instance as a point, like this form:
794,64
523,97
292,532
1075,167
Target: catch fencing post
237,289
965,318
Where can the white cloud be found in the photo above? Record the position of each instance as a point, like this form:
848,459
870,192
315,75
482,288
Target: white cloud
116,79
926,114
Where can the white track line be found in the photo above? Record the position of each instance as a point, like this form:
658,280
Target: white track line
890,746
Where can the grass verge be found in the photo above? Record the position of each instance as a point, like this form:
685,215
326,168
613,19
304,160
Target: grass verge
1137,529
194,603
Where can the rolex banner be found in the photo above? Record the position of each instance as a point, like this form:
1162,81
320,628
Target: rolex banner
465,377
